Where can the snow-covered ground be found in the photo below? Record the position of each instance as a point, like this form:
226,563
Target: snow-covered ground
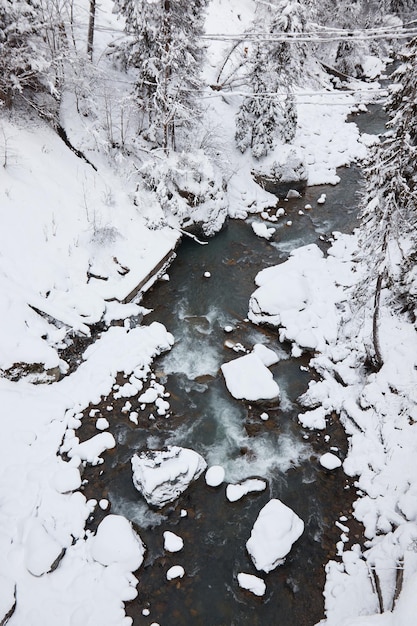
75,243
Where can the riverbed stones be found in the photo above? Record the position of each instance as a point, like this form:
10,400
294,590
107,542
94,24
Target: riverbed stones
275,530
162,475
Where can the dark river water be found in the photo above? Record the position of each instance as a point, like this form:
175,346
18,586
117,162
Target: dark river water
206,418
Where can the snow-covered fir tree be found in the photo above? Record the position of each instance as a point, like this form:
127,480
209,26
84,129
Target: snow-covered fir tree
388,231
269,113
163,46
24,56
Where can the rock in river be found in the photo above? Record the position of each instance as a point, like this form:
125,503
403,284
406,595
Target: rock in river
162,475
275,530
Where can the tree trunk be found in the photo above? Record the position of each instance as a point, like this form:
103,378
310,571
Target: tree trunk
375,323
90,37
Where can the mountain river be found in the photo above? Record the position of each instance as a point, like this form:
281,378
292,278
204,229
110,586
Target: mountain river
196,308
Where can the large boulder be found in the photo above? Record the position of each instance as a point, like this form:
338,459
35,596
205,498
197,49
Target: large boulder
273,534
162,475
279,177
247,378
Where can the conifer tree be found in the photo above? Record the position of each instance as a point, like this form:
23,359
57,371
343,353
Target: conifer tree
163,46
23,54
269,112
388,231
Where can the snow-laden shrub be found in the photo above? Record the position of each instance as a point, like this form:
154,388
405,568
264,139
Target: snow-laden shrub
189,189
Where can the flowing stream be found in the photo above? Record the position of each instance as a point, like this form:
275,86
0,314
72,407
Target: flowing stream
205,417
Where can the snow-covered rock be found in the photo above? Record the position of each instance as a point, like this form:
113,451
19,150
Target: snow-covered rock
247,378
267,356
300,296
176,571
275,530
91,449
215,475
67,478
330,461
172,542
251,485
284,174
117,542
162,475
261,230
252,583
42,551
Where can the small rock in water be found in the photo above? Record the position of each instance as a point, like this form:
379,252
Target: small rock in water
134,417
176,571
207,274
308,207
330,461
145,612
102,423
280,212
293,194
300,212
103,504
250,485
264,417
183,513
228,329
264,215
172,542
322,199
289,223
215,475
251,583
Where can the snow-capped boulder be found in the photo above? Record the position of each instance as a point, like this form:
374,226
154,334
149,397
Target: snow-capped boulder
117,542
279,177
247,378
330,461
215,476
299,296
176,571
275,530
251,583
172,542
250,485
162,475
42,551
